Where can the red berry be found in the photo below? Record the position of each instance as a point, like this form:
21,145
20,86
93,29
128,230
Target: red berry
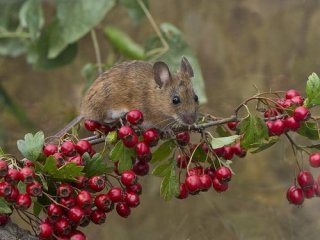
205,182
295,195
193,183
270,113
13,176
141,168
23,201
115,194
82,182
4,218
27,175
151,137
28,163
219,186
314,159
91,125
301,113
292,93
196,171
135,188
3,168
183,138
50,149
297,100
45,231
54,211
62,227
34,189
84,199
236,148
68,148
78,160
228,152
76,214
123,209
223,174
125,132
316,189
64,190
5,189
97,183
83,146
276,128
68,202
183,191
305,179
59,159
104,128
143,151
128,178
308,192
132,199
135,117
182,160
98,217
291,124
13,195
210,171
77,235
219,151
131,141
103,202
232,125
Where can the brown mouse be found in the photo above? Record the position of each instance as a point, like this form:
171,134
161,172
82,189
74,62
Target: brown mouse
165,99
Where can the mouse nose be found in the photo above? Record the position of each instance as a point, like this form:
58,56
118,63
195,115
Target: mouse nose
189,118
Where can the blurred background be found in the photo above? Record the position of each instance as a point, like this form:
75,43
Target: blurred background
240,45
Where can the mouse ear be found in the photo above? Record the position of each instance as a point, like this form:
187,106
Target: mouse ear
186,67
161,73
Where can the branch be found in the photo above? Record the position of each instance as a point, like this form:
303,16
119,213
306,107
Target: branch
12,231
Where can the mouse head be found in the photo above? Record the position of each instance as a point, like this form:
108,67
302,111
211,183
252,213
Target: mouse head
176,92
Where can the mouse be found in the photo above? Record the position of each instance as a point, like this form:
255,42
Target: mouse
165,99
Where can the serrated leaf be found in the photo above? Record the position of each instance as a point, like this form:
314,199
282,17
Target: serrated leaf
222,132
222,141
95,166
37,208
178,47
4,206
31,146
31,17
254,131
309,130
170,186
123,155
67,172
21,187
264,145
313,90
43,182
199,155
134,10
163,151
123,43
162,169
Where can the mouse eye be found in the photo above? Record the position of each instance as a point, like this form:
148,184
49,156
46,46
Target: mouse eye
196,99
176,100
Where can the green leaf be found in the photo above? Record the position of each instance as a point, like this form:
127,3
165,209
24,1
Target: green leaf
31,146
67,172
1,152
134,10
123,155
309,130
199,155
75,19
222,132
31,17
96,165
123,43
21,187
162,170
13,47
37,208
163,151
178,47
264,145
222,141
170,186
4,206
313,90
254,131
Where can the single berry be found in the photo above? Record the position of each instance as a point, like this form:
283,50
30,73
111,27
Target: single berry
183,193
123,209
301,113
193,183
128,178
68,202
228,152
316,189
205,182
4,218
62,227
28,163
151,137
64,190
297,100
83,146
182,160
50,149
218,151
314,159
210,171
232,125
292,93
135,188
308,192
196,171
54,211
219,186
58,157
240,152
91,125
143,151
12,197
135,117
13,176
3,168
23,201
105,128
131,141
295,195
76,214
292,124
125,132
98,217
84,199
45,231
77,235
5,189
277,128
78,160
68,148
132,199
81,182
115,194
103,202
183,138
223,174
270,113
141,168
97,183
34,189
27,175
305,179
